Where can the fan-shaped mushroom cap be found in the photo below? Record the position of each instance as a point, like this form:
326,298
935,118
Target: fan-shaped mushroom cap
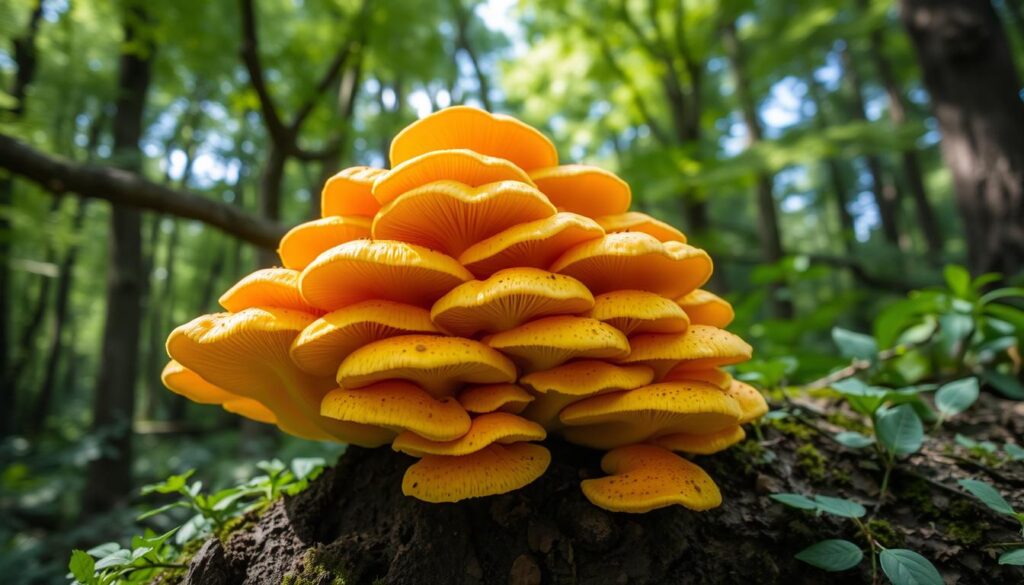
637,311
559,387
508,299
700,348
246,353
450,217
486,429
644,477
184,382
495,135
350,193
715,376
495,398
496,469
535,244
399,406
322,346
306,241
611,420
702,444
365,270
439,365
634,221
706,308
548,342
250,409
583,189
752,404
637,261
267,287
460,165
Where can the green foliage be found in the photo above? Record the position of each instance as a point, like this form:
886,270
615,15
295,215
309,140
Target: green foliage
991,497
906,567
110,563
832,555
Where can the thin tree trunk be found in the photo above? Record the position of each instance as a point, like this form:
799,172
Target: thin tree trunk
109,477
910,162
463,17
969,72
768,222
885,192
835,172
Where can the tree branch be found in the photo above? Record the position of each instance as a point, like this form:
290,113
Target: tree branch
328,79
279,133
125,188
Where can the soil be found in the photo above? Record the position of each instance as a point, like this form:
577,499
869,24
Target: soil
354,526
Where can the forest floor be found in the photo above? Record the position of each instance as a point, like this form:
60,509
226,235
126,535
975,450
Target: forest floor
354,526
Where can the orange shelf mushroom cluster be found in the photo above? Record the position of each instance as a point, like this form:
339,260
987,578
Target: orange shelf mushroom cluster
470,301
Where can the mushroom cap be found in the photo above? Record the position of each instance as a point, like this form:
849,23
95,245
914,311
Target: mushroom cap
486,429
583,189
638,311
399,406
304,242
461,165
322,346
250,409
645,477
450,216
707,308
752,403
548,342
467,127
633,416
184,382
715,376
509,298
535,244
559,387
700,348
486,398
495,469
631,260
635,221
702,444
350,192
267,287
364,270
439,365
246,353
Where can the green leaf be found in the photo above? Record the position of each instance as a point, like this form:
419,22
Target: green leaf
958,279
795,501
115,559
853,439
988,496
854,345
1005,384
170,485
82,566
839,507
160,510
899,430
1012,557
956,397
104,549
1014,451
832,555
906,567
303,467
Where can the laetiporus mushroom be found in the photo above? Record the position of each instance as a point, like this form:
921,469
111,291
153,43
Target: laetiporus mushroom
470,302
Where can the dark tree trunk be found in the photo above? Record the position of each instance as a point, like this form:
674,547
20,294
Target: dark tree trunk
463,18
109,477
834,169
969,71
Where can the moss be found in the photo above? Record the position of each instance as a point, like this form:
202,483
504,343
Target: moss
811,462
314,572
966,532
751,454
885,533
849,423
793,428
918,495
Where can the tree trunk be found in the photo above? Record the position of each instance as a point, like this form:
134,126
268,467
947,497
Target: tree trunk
835,171
109,477
969,72
269,199
463,43
912,172
767,215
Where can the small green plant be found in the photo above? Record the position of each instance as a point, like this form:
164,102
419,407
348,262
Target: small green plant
212,514
990,453
991,497
901,566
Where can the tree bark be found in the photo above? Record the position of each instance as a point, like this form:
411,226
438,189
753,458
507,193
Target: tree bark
109,477
463,17
969,72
